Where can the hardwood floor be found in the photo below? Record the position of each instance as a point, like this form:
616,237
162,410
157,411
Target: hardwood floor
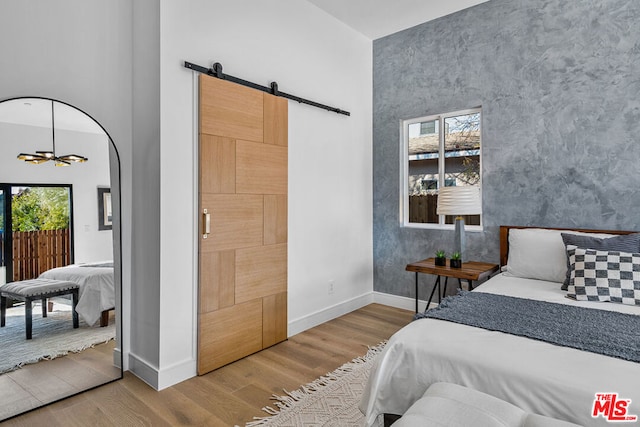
233,394
40,383
46,381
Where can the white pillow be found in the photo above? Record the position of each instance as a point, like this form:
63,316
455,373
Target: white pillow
536,253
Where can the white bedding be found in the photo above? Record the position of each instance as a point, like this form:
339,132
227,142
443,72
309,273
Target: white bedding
542,378
97,289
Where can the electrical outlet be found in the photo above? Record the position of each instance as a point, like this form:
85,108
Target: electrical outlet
330,288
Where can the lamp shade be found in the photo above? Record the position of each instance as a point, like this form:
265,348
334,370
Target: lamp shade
459,201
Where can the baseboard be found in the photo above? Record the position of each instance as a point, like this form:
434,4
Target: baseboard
117,358
400,302
187,369
143,370
177,373
321,316
165,377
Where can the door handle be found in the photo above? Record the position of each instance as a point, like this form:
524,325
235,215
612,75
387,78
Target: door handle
206,223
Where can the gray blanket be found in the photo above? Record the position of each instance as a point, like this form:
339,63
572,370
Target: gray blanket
598,331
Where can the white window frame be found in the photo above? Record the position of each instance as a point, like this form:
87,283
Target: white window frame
404,169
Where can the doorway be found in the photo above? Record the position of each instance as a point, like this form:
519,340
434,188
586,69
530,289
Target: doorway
38,219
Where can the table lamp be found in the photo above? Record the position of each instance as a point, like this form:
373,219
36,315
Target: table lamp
459,201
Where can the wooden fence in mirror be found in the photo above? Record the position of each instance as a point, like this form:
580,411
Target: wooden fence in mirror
35,252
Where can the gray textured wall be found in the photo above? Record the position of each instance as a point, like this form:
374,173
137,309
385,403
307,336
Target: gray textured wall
559,86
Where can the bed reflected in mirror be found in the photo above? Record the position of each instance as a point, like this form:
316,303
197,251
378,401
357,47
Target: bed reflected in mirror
60,277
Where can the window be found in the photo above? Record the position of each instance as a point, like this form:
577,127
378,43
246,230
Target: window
440,150
34,216
428,128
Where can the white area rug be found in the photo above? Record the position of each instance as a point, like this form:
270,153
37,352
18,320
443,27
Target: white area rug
52,336
331,400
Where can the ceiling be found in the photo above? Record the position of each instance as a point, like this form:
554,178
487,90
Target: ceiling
379,18
37,112
372,18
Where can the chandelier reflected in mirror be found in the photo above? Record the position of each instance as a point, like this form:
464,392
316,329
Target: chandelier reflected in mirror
45,156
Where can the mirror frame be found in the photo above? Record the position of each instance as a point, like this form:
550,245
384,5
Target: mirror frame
117,248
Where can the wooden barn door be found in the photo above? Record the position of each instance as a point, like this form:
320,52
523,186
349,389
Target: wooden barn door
243,198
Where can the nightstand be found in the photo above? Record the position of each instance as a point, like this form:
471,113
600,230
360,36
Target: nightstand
470,271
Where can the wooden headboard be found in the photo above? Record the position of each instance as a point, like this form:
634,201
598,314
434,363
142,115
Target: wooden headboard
504,237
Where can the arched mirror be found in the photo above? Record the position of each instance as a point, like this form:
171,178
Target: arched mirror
60,254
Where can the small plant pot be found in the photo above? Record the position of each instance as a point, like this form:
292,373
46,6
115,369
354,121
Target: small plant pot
441,261
455,263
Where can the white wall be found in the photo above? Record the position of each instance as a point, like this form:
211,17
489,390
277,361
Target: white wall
311,55
103,58
90,244
79,52
145,216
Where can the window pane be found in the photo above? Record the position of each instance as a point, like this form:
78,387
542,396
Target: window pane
462,155
424,154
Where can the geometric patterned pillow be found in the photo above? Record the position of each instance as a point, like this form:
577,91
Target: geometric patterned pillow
604,275
622,243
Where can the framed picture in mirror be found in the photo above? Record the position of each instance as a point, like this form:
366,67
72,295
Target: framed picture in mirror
105,212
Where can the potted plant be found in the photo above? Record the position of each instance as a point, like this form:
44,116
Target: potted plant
456,260
441,258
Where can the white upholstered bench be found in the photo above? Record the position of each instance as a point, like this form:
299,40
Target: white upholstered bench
37,289
445,404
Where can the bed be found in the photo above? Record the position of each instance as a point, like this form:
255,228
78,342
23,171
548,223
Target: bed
97,289
539,377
